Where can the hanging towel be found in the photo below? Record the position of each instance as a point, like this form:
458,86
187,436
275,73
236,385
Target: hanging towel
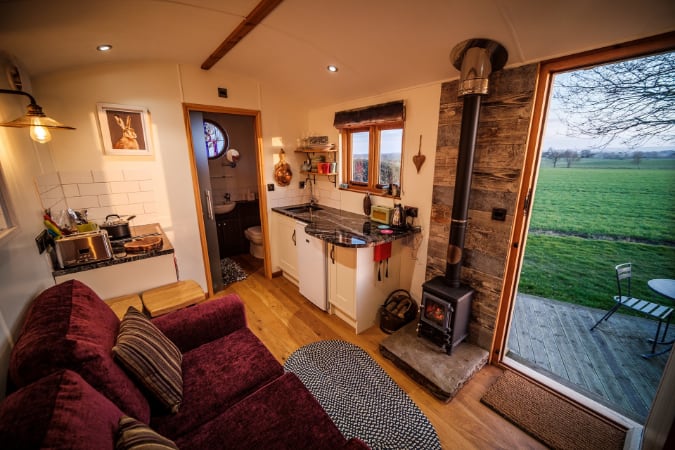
381,253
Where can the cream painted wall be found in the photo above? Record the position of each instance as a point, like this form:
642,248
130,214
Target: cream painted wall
283,120
421,119
23,272
163,88
72,96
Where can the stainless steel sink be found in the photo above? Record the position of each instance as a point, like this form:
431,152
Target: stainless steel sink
303,209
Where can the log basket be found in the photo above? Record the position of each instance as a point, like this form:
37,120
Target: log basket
398,309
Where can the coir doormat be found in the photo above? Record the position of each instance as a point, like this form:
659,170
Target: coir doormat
550,418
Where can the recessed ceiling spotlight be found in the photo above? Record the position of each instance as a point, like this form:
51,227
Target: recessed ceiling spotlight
104,47
332,68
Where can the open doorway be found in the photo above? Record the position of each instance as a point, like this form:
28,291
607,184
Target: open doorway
593,209
226,158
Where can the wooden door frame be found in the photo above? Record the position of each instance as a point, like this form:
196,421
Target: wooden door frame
262,193
526,193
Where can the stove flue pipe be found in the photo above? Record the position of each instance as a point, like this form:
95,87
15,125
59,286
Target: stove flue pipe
476,59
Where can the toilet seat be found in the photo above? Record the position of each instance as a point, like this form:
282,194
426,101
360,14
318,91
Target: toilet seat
254,234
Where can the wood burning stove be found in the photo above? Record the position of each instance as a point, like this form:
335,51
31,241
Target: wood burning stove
446,304
445,313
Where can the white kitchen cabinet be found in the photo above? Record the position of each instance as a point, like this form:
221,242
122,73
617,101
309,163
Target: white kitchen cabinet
311,266
355,293
285,243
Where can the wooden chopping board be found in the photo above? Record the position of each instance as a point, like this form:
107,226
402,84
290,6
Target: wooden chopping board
145,244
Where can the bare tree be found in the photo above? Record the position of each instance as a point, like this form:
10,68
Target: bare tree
553,155
570,156
637,158
630,101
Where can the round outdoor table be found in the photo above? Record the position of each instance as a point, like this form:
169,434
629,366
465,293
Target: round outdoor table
666,288
663,286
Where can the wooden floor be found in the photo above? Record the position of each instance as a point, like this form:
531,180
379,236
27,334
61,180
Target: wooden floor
605,364
285,321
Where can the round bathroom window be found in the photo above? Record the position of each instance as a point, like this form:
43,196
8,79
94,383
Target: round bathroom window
216,139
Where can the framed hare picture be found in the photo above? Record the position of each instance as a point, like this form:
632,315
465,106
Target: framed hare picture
125,130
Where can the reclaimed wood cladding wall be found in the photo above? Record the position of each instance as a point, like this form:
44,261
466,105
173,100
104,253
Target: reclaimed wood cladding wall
501,142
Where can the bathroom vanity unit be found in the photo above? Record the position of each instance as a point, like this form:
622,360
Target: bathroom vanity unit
127,273
232,226
336,260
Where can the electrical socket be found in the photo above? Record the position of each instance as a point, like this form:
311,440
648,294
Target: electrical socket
301,184
499,214
43,241
270,187
411,211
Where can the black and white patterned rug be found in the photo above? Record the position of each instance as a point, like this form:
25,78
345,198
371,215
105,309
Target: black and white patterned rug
231,271
360,397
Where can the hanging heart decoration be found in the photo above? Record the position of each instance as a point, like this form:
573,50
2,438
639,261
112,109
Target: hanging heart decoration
419,158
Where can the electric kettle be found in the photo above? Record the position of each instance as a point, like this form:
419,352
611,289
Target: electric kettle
398,216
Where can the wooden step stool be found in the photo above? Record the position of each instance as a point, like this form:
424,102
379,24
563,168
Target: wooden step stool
119,305
172,297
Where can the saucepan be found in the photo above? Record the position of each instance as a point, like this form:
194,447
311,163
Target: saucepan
117,227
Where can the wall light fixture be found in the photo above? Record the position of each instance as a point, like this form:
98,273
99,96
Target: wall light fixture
35,119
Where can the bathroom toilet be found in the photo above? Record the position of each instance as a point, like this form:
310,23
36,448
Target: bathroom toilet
254,235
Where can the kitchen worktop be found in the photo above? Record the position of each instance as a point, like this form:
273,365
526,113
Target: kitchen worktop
343,228
120,256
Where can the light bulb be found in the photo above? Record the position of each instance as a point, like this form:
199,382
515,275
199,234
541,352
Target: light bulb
40,134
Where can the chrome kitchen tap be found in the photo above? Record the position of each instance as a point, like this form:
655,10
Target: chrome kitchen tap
312,199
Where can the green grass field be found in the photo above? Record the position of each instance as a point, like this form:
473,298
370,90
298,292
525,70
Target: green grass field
592,216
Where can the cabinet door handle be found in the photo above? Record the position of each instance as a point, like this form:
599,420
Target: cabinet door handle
293,237
332,254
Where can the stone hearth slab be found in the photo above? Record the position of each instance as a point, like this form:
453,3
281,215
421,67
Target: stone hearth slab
441,374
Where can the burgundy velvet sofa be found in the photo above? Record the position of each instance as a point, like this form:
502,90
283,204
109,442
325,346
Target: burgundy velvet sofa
69,391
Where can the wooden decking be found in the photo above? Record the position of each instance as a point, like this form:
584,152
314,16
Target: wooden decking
605,364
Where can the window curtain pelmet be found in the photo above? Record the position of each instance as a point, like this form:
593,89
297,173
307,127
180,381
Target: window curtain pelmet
370,115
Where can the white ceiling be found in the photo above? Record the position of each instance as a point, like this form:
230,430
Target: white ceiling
379,45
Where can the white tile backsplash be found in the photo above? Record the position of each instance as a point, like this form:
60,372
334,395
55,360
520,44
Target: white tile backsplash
70,190
101,193
141,197
117,187
114,199
83,202
94,188
47,181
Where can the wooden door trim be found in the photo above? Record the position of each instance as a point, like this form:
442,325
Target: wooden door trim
262,193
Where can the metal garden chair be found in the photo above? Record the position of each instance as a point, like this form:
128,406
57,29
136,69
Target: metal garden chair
624,298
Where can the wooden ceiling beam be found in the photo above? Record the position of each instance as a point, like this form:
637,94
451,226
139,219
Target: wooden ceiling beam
247,25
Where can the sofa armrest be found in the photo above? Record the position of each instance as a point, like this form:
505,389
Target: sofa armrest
191,327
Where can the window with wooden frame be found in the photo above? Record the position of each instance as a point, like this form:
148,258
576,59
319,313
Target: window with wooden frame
372,146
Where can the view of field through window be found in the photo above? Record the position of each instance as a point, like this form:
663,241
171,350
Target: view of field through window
391,146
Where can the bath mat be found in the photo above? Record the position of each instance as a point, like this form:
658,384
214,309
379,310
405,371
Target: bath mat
231,271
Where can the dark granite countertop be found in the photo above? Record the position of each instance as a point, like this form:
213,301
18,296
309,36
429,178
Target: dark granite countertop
342,228
120,256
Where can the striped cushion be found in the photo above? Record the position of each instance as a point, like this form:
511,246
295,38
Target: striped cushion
151,358
134,435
